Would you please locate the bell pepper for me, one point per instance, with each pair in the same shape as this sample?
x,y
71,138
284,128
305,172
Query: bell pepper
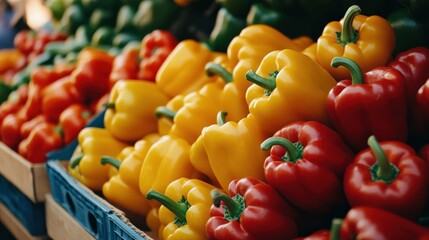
x,y
114,168
369,41
9,58
280,82
130,110
124,19
72,120
166,161
43,138
165,114
14,102
388,175
230,145
423,98
155,48
122,189
227,26
293,165
91,76
414,66
246,50
373,101
185,209
10,129
416,7
58,96
237,8
125,66
410,31
85,165
183,70
251,210
155,14
72,18
365,222
200,160
29,125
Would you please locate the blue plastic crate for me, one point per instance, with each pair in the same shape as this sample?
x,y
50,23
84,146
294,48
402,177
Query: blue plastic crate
x,y
120,230
79,202
31,215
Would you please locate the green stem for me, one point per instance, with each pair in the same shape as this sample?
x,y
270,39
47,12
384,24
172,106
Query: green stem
x,y
212,69
348,33
335,229
110,160
162,111
221,117
293,150
384,171
233,206
76,160
179,209
352,66
268,83
109,105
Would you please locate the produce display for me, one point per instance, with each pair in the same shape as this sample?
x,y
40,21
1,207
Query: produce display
x,y
227,119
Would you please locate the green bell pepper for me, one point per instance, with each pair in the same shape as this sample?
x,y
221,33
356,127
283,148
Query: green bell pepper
x,y
238,8
124,19
73,17
5,90
285,6
56,7
102,17
227,27
103,36
122,39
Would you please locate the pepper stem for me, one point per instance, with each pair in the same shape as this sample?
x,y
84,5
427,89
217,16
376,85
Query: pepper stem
x,y
221,118
233,206
268,83
76,160
108,105
384,171
179,209
212,69
294,150
86,114
162,111
335,229
352,66
348,33
110,160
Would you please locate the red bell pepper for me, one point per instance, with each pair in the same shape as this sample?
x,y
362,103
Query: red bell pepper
x,y
322,234
59,95
253,210
369,104
302,154
388,175
92,74
414,66
44,138
373,223
72,120
29,125
125,66
155,48
423,100
11,129
15,101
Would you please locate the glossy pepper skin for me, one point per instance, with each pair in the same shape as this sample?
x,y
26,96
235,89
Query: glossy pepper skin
x,y
183,70
125,66
72,120
251,210
131,107
85,166
369,41
365,222
423,98
280,82
388,175
155,48
185,209
233,149
302,152
92,73
414,66
44,137
165,114
166,161
123,189
373,101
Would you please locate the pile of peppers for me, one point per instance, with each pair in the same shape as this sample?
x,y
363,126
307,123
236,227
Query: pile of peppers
x,y
260,128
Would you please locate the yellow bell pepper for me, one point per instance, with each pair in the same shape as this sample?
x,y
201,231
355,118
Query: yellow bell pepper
x,y
130,109
113,171
85,166
183,70
233,149
152,219
369,41
288,86
166,161
122,190
185,209
311,51
246,50
200,160
165,114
